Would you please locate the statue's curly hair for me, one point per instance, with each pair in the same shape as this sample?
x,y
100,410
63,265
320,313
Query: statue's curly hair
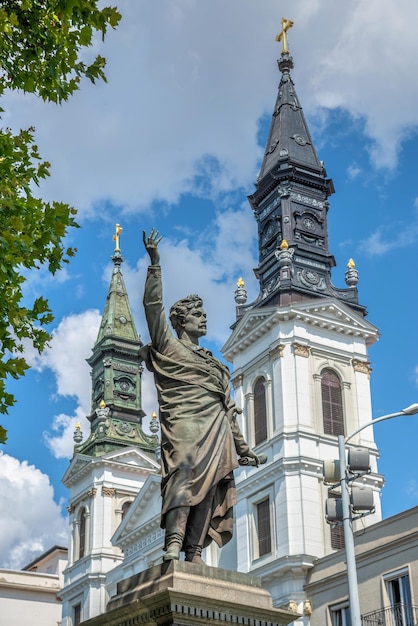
x,y
181,309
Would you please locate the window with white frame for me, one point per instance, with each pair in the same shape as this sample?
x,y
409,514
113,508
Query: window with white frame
x,y
398,590
82,519
262,523
332,403
340,614
125,507
76,615
260,411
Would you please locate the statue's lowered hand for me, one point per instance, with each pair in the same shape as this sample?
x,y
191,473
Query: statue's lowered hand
x,y
255,460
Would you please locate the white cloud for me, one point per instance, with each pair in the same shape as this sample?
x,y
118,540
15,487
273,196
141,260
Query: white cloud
x,y
361,72
30,521
353,171
60,442
66,358
189,80
389,238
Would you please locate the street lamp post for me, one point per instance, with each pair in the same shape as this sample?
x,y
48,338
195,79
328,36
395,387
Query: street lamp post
x,y
347,519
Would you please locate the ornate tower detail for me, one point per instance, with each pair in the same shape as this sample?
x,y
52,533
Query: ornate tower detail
x,y
291,204
116,413
110,467
300,354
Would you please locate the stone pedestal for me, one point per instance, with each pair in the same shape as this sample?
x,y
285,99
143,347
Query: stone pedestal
x,y
177,593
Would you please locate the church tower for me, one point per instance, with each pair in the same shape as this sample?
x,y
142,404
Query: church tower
x,y
108,469
299,355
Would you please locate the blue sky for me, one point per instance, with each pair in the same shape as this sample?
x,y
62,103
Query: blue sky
x,y
174,141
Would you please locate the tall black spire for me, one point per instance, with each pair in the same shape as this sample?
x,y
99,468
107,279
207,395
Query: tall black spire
x,y
291,204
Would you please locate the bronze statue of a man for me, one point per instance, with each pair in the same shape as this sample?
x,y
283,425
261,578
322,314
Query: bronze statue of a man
x,y
200,437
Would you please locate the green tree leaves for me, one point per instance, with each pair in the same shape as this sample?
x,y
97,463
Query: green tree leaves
x,y
42,41
42,51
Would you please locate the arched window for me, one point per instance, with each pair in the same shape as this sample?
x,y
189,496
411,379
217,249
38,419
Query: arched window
x,y
82,532
125,507
260,413
332,403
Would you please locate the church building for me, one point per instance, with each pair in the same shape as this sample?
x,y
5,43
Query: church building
x,y
300,371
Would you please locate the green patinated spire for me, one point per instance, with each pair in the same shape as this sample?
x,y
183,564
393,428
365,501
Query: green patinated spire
x,y
116,409
117,320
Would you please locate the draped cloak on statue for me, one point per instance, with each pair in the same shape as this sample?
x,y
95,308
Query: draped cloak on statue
x,y
200,437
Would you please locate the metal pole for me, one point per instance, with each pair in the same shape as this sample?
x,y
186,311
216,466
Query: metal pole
x,y
350,554
348,538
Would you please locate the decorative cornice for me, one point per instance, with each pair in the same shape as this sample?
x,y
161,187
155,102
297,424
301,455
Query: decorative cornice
x,y
108,492
327,315
276,352
237,381
301,350
362,366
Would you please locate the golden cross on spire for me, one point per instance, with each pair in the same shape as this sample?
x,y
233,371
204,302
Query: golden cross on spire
x,y
118,230
286,24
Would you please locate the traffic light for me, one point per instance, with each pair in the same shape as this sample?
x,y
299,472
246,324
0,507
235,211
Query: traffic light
x,y
331,471
334,510
361,497
358,461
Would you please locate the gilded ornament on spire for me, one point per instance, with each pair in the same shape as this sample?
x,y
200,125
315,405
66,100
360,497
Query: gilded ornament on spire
x,y
240,292
351,275
118,230
284,245
77,435
286,24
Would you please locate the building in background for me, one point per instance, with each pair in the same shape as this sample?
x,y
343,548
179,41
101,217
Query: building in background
x,y
31,595
387,571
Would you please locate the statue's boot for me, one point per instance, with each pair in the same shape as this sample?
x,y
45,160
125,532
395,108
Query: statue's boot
x,y
175,528
194,554
197,528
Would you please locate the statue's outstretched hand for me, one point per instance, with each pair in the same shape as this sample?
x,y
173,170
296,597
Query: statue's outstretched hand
x,y
151,245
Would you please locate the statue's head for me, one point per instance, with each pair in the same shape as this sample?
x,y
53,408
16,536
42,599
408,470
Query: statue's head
x,y
181,309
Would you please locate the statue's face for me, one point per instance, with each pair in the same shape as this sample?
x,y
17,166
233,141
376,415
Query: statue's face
x,y
195,323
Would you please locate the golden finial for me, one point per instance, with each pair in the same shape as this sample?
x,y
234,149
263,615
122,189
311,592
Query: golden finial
x,y
78,426
240,282
154,415
286,24
351,264
284,245
102,404
118,230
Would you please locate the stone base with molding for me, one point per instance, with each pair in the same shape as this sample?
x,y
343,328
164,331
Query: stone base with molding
x,y
177,593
